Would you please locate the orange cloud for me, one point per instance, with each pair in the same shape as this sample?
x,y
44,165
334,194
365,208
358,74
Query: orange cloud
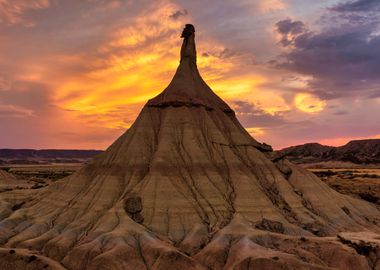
x,y
137,62
256,131
14,111
87,77
134,65
12,11
308,103
271,5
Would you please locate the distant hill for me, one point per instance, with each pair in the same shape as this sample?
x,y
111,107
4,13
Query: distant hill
x,y
48,156
357,152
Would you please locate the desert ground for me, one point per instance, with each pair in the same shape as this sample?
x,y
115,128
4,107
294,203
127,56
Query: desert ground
x,y
29,176
361,182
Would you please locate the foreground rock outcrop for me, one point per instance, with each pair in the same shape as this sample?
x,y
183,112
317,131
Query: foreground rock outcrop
x,y
7,181
186,187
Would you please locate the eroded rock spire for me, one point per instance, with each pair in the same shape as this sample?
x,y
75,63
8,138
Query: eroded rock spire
x,y
187,86
188,50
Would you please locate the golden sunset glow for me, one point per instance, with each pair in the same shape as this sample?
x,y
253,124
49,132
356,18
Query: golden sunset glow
x,y
308,103
76,74
142,70
343,140
139,72
270,5
255,131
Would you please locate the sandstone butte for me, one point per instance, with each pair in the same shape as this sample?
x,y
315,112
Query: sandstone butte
x,y
186,187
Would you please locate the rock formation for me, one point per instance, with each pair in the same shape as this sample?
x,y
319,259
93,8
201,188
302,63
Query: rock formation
x,y
46,156
5,175
186,187
363,152
7,180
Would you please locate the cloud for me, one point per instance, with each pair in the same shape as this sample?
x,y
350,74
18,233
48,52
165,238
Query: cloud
x,y
252,116
14,11
111,88
4,84
270,5
223,53
26,96
289,29
341,60
90,82
308,103
179,13
357,6
14,111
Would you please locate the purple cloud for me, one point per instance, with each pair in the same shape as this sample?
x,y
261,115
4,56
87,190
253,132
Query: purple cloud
x,y
251,115
179,13
342,60
288,27
358,6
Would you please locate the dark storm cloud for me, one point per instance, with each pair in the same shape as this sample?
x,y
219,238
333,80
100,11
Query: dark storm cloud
x,y
342,60
358,6
288,27
179,13
360,12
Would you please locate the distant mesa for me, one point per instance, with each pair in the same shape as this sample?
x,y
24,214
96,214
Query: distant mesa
x,y
187,187
359,152
46,156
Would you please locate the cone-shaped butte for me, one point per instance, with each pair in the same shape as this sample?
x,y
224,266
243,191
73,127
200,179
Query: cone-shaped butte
x,y
186,187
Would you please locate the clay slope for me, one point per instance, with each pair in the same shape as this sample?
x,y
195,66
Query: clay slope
x,y
6,179
186,187
357,152
5,175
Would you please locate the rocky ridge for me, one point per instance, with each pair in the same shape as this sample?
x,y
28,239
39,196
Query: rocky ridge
x,y
356,152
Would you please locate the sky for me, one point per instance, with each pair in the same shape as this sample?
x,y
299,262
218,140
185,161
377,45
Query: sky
x,y
74,74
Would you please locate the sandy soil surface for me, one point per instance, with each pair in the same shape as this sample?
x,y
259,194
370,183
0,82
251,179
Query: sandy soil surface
x,y
361,183
31,176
